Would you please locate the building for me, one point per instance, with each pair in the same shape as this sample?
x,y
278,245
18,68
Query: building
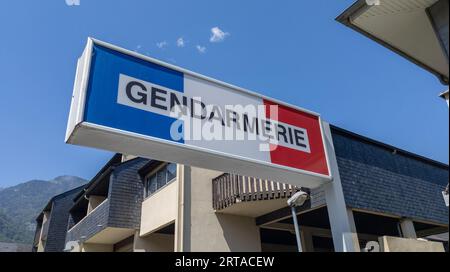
x,y
376,196
417,30
51,224
391,196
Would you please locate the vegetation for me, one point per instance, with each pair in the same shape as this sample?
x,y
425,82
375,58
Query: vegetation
x,y
21,204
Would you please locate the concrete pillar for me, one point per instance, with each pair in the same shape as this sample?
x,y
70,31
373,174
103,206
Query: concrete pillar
x,y
408,230
200,228
343,229
182,222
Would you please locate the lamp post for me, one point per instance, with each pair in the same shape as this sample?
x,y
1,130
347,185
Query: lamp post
x,y
297,200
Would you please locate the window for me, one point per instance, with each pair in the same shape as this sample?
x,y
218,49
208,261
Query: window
x,y
160,178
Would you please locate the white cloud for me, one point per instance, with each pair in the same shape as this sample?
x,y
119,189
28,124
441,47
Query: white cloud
x,y
161,45
73,2
217,35
181,42
201,49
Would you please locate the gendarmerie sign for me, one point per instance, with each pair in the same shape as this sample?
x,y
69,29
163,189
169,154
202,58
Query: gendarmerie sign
x,y
129,103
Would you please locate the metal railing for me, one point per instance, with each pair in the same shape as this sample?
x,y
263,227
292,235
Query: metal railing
x,y
229,189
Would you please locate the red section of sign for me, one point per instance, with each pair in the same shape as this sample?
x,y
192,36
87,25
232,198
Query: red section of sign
x,y
316,160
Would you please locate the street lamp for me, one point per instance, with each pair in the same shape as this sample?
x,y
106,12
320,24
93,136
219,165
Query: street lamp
x,y
297,200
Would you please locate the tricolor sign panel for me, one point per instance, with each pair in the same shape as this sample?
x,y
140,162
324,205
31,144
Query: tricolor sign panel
x,y
129,103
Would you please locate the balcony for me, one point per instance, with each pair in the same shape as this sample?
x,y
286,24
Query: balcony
x,y
249,196
108,210
90,225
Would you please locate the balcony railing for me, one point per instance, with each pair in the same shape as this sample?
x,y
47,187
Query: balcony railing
x,y
229,189
91,224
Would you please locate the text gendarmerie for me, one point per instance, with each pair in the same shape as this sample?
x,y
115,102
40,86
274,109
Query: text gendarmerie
x,y
169,101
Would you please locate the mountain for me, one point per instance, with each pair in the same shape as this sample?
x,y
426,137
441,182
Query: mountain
x,y
21,204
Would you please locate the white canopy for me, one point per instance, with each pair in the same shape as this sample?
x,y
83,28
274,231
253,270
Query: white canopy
x,y
406,27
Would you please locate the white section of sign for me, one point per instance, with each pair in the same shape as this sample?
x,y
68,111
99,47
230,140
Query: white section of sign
x,y
209,92
139,93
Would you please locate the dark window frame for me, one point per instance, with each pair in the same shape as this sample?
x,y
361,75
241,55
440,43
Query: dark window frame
x,y
161,171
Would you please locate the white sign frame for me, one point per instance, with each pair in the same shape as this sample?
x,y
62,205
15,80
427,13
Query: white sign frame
x,y
88,134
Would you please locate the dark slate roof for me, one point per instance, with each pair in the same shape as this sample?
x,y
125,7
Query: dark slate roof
x,y
56,197
148,167
382,178
59,218
360,138
115,160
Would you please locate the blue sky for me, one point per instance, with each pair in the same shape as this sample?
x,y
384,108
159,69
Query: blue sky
x,y
293,51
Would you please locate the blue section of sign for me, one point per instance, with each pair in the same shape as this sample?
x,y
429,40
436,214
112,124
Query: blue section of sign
x,y
101,99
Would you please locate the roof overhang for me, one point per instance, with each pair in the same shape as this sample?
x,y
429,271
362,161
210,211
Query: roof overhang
x,y
107,168
403,26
